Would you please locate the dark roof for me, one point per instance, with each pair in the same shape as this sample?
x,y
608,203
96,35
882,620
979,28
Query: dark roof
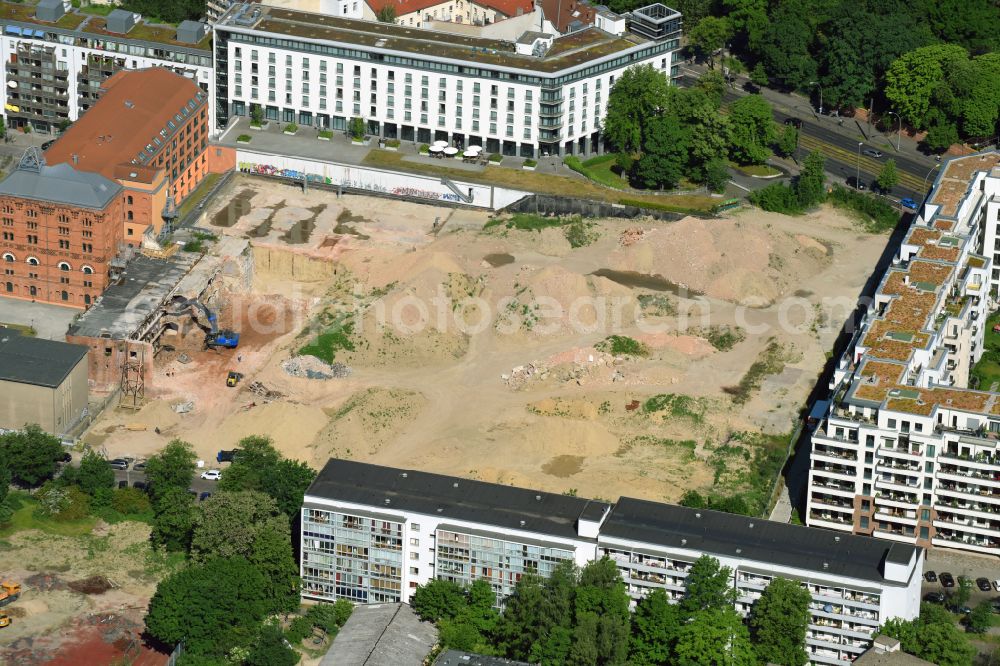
x,y
28,360
450,497
61,184
717,533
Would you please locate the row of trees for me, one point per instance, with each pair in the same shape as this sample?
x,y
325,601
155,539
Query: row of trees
x,y
582,617
238,544
854,51
664,133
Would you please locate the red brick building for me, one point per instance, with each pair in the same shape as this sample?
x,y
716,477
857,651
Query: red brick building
x,y
149,132
59,231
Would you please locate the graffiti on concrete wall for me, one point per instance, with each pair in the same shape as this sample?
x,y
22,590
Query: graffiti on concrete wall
x,y
281,172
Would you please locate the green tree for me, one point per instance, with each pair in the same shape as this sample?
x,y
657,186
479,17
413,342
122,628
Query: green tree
x,y
438,599
654,629
693,500
271,650
712,637
173,519
810,187
708,586
639,95
785,48
912,78
752,125
260,467
888,177
708,36
30,454
788,140
748,20
94,476
357,128
932,636
210,606
665,153
978,620
601,613
779,620
130,501
716,175
6,511
256,115
171,469
249,524
981,105
962,592
3,128
387,14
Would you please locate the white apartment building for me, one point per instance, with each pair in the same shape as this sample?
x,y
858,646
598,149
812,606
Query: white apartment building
x,y
905,450
538,96
55,58
373,534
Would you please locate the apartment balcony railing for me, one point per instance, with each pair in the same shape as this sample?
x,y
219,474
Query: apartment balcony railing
x,y
831,517
846,486
829,500
834,453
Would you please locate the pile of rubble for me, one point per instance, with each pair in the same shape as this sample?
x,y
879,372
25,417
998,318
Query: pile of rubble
x,y
259,389
631,235
311,367
522,374
577,368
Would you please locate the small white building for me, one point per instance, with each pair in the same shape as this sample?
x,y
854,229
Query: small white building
x,y
373,534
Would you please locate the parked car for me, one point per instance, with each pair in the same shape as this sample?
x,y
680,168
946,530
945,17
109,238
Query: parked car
x,y
48,144
226,456
983,584
204,496
139,466
947,580
964,610
211,475
935,597
119,463
122,484
907,202
139,485
871,152
996,586
856,184
930,577
794,122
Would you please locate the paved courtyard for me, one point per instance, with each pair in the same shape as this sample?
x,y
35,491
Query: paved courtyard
x,y
50,321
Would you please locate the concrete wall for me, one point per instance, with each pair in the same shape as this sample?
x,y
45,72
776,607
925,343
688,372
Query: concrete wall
x,y
54,409
546,204
374,181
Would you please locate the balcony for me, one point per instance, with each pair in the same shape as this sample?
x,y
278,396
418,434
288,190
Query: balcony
x,y
970,542
967,490
830,468
890,496
947,521
891,513
831,517
830,452
832,484
829,500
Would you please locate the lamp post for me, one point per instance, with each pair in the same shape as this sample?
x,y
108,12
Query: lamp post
x,y
924,192
857,177
820,86
899,132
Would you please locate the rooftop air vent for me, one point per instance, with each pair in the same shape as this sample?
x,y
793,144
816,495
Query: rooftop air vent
x,y
538,497
403,475
698,515
522,523
826,565
455,485
387,500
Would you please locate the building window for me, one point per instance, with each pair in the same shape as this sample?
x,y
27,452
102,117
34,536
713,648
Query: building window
x,y
64,295
128,200
32,261
63,266
87,270
7,256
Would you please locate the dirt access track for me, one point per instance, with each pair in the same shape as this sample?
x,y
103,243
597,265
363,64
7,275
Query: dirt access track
x,y
482,352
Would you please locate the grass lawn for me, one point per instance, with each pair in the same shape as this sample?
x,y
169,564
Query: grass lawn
x,y
24,330
987,370
760,170
198,195
543,183
24,519
98,10
600,169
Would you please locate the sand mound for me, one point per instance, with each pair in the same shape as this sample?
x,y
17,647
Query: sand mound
x,y
291,426
366,421
574,409
689,345
731,259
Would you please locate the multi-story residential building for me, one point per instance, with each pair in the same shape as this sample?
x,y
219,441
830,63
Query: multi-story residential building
x,y
905,449
148,131
373,534
413,13
60,230
55,58
539,96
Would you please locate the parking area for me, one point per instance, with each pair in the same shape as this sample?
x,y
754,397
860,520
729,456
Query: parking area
x,y
963,564
49,321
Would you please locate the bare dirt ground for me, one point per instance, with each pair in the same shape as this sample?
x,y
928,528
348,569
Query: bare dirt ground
x,y
490,362
83,598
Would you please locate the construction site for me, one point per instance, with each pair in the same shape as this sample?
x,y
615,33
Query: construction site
x,y
603,357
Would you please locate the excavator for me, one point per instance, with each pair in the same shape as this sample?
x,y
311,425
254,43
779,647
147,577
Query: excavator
x,y
225,338
9,592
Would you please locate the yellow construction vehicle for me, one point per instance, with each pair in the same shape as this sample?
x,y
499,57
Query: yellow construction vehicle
x,y
4,620
9,591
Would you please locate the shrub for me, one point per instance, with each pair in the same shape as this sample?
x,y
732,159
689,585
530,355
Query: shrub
x,y
777,198
579,234
496,158
876,215
357,128
69,503
130,501
194,246
425,149
243,138
621,345
392,143
530,163
325,134
298,630
291,127
256,115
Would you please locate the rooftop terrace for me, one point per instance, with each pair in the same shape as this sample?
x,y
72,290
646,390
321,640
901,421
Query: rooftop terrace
x,y
919,304
82,24
575,49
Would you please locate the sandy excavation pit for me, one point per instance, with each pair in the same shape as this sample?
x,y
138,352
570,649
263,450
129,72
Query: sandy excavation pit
x,y
458,365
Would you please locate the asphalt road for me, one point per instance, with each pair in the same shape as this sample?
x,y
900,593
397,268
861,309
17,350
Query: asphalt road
x,y
840,146
198,484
